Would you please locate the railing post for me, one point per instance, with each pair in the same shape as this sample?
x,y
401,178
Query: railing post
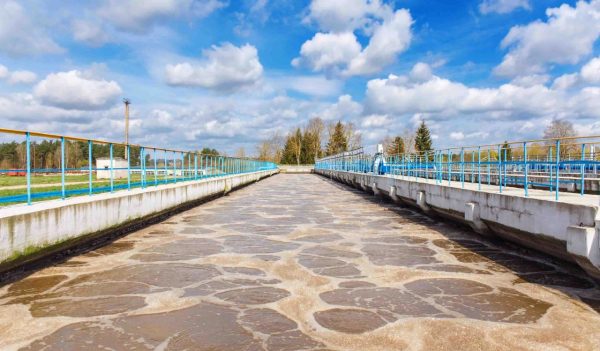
x,y
195,166
479,167
500,167
28,166
462,167
143,166
90,166
174,168
583,169
166,168
62,167
155,168
110,147
557,169
128,151
526,185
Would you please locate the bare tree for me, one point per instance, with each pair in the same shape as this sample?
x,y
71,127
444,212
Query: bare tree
x,y
409,140
271,149
315,128
561,128
353,136
241,152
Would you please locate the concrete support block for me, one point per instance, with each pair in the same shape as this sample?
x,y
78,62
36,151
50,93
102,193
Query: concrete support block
x,y
376,191
363,185
473,218
393,194
583,243
422,202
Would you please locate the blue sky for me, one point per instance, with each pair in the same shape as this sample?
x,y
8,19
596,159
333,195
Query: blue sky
x,y
226,74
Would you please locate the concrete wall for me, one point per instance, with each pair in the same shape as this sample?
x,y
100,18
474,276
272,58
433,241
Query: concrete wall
x,y
568,230
26,232
296,169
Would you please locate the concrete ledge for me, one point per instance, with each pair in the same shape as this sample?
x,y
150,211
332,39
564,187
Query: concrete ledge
x,y
30,232
569,230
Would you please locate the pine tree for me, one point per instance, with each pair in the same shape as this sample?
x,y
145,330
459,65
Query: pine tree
x,y
396,146
337,140
423,138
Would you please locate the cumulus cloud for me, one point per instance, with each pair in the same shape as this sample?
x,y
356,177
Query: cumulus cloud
x,y
22,77
20,34
345,109
336,50
139,16
503,6
591,71
75,90
345,15
225,67
566,37
89,32
17,77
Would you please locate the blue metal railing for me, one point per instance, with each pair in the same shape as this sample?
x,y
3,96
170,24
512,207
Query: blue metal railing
x,y
567,164
99,170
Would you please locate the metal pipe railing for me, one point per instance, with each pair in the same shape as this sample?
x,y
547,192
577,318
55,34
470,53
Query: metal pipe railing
x,y
566,164
62,171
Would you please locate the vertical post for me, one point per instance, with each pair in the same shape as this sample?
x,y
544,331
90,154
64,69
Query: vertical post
x,y
583,169
462,167
549,164
110,148
143,166
489,166
449,167
557,169
62,167
479,167
166,167
127,155
526,185
90,166
195,166
174,168
155,168
500,167
28,166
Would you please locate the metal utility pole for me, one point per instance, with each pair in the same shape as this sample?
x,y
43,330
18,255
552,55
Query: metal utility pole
x,y
127,102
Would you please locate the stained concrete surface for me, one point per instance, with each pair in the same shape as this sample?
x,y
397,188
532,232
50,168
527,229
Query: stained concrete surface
x,y
298,262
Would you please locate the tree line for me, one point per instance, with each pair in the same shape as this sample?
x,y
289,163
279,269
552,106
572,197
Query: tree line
x,y
305,144
46,154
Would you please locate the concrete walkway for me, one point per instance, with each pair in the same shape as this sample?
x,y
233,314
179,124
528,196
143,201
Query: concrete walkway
x,y
298,262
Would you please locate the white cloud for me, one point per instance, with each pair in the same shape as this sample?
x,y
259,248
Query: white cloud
x,y
225,67
403,95
75,90
89,32
421,72
344,109
3,72
139,16
565,38
503,6
328,51
590,72
345,15
457,135
20,34
375,121
337,50
22,77
312,85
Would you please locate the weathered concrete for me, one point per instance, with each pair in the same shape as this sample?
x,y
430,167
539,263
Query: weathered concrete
x,y
26,232
299,262
296,169
568,229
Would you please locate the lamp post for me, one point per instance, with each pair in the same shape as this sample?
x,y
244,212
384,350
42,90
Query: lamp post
x,y
127,102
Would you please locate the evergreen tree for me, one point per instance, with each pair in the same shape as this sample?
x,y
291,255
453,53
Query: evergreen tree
x,y
423,138
396,146
338,141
